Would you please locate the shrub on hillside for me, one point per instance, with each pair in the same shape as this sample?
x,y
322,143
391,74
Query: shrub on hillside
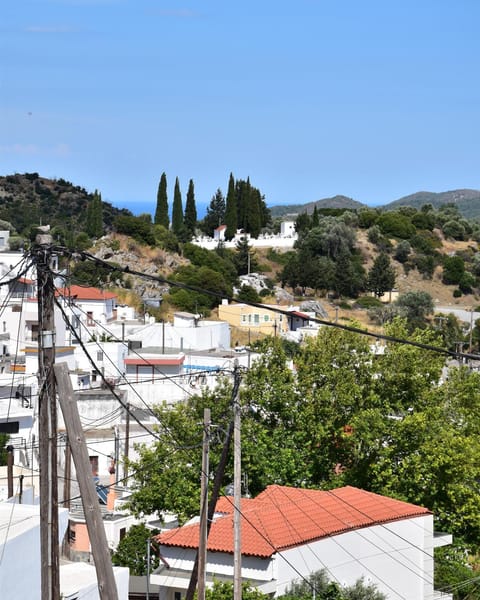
x,y
368,302
397,225
453,270
425,241
135,227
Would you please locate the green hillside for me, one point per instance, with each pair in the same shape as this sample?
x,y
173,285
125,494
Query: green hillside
x,y
467,201
29,199
338,202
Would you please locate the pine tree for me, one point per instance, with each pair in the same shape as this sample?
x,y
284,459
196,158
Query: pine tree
x,y
177,210
161,212
215,215
231,210
190,218
381,277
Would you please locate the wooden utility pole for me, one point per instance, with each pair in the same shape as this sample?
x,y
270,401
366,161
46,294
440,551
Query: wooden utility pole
x,y
202,542
47,421
127,444
9,471
67,474
237,493
107,587
217,484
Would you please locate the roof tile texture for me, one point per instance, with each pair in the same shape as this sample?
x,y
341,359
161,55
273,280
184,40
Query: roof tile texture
x,y
283,517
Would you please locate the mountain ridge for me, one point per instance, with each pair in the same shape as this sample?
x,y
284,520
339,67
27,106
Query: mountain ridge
x,y
467,200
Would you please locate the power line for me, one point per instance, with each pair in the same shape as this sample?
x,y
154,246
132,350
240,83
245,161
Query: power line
x,y
357,330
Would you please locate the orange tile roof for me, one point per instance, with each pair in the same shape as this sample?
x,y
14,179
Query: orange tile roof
x,y
283,517
85,293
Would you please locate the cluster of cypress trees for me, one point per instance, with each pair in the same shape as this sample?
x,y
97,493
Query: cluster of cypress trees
x,y
243,208
183,223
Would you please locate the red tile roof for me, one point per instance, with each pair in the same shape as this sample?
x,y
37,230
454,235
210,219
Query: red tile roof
x,y
283,517
85,293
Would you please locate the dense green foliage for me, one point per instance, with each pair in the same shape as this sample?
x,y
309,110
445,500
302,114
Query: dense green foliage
x,y
382,424
137,228
222,262
132,551
28,200
319,586
201,278
223,590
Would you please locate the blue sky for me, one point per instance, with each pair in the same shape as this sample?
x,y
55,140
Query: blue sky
x,y
309,98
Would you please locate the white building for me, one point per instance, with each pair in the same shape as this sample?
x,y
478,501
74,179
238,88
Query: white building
x,y
289,533
20,565
188,332
287,229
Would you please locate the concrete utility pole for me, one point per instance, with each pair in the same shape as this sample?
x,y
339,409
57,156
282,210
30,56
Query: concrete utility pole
x,y
107,587
47,420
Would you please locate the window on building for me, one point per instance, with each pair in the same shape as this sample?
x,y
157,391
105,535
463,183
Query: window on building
x,y
99,356
90,318
256,319
177,595
4,326
244,318
266,318
94,464
123,533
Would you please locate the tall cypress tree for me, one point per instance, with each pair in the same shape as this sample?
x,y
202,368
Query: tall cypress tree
x,y
242,193
94,219
190,218
177,210
254,215
231,210
161,212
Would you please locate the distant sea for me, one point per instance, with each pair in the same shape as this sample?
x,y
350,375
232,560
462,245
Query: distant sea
x,y
141,207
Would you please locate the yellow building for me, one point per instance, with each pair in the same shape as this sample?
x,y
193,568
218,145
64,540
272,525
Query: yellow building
x,y
261,320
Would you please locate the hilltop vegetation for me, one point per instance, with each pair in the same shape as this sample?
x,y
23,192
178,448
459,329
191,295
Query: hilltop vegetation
x,y
341,254
28,200
467,202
